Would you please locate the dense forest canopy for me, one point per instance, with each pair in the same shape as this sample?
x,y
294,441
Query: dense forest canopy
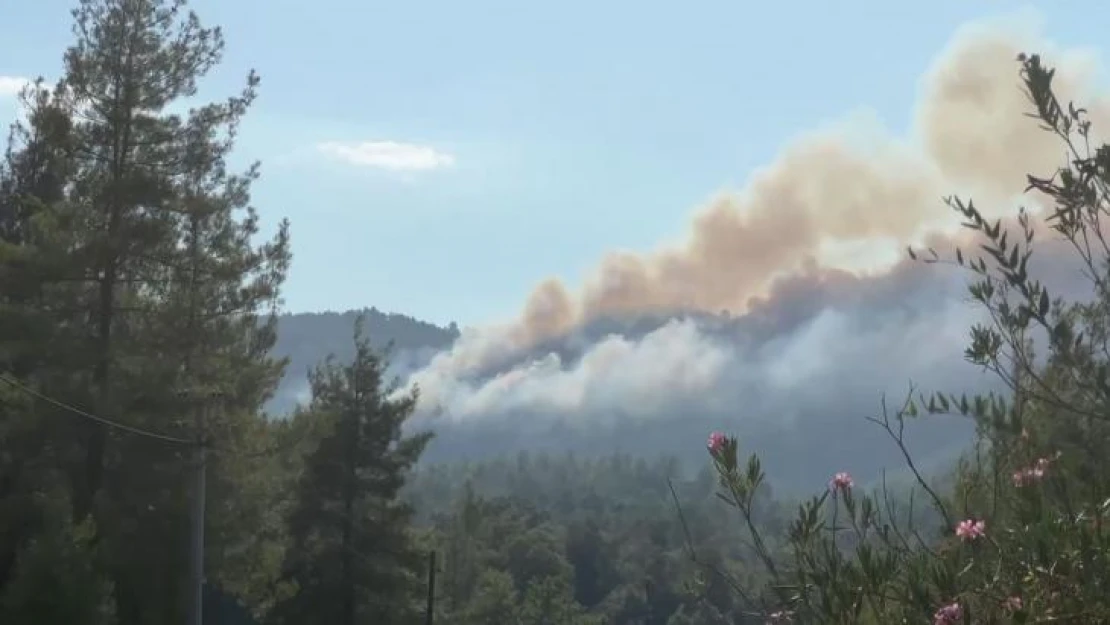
x,y
144,479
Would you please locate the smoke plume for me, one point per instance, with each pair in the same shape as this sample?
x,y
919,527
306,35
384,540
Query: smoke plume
x,y
812,338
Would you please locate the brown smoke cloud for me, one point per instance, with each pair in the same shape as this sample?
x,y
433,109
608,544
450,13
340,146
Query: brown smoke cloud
x,y
765,250
970,136
816,345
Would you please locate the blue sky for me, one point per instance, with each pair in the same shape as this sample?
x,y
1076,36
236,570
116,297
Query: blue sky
x,y
537,136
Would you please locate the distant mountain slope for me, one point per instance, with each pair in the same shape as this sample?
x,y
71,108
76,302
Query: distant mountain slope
x,y
804,433
308,338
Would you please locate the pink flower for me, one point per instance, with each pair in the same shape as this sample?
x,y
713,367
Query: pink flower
x,y
1013,603
1026,477
1035,473
841,482
716,443
970,530
949,614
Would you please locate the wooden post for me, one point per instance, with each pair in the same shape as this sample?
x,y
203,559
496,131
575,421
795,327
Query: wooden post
x,y
196,546
429,616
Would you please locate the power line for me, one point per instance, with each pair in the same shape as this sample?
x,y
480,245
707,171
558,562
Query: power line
x,y
101,420
270,452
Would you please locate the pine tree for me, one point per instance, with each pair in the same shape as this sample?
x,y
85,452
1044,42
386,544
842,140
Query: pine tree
x,y
130,60
211,328
352,556
33,174
128,263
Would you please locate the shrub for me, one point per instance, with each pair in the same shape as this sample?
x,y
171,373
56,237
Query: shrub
x,y
1024,537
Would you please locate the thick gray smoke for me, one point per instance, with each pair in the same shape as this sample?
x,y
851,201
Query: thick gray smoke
x,y
811,345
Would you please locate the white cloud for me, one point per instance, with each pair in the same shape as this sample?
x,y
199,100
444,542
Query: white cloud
x,y
10,85
388,155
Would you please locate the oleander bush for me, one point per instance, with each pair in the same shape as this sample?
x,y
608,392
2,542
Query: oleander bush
x,y
1024,536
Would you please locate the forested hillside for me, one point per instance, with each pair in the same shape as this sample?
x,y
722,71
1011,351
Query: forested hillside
x,y
144,482
307,338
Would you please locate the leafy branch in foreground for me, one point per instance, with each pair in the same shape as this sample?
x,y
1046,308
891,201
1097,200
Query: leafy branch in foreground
x,y
1023,538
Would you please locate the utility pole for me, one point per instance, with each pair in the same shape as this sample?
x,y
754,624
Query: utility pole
x,y
430,614
196,539
202,406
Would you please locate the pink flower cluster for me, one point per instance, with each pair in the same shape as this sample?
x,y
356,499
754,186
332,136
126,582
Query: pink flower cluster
x,y
969,529
1033,474
841,482
716,443
949,614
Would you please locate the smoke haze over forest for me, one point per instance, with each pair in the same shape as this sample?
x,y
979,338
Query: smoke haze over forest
x,y
806,332
788,307
723,358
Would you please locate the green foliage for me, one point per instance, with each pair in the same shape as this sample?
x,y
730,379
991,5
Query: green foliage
x,y
548,601
133,286
1023,537
698,614
351,556
495,600
58,576
593,536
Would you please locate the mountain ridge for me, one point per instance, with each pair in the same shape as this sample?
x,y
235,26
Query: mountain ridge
x,y
307,338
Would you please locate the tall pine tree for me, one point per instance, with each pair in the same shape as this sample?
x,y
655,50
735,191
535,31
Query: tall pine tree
x,y
351,557
48,565
129,248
